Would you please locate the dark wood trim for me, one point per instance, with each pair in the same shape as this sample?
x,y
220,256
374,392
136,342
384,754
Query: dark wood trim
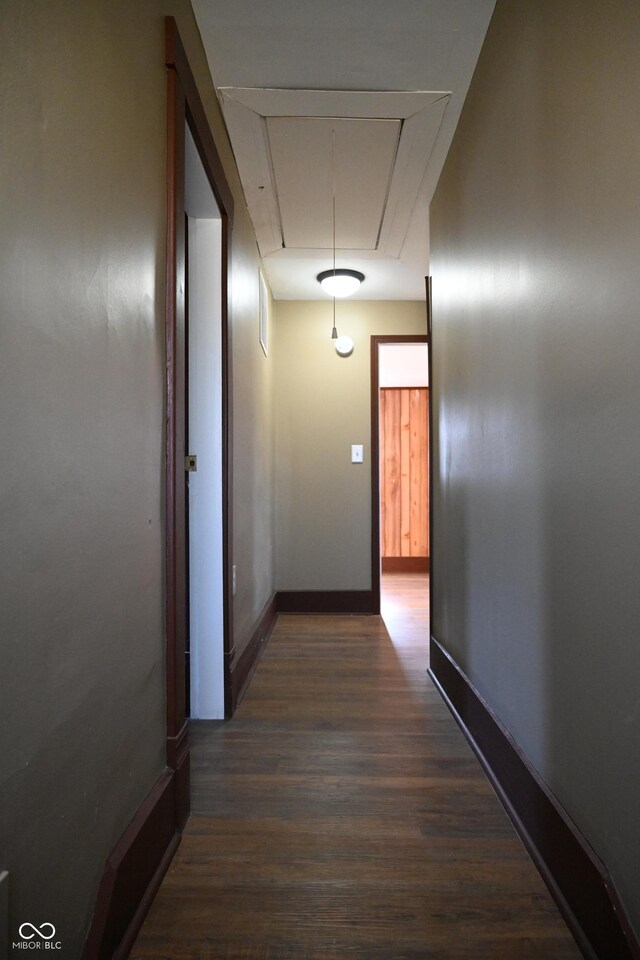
x,y
176,60
241,670
174,308
133,873
432,450
577,879
328,601
194,113
401,338
227,457
375,453
375,474
178,760
415,387
185,106
187,447
405,564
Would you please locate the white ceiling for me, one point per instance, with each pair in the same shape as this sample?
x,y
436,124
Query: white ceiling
x,y
386,84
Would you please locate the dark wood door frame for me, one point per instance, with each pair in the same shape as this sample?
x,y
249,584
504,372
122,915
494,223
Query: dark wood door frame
x,y
185,106
375,452
427,281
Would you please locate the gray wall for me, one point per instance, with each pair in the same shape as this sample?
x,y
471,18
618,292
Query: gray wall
x,y
82,193
536,349
322,406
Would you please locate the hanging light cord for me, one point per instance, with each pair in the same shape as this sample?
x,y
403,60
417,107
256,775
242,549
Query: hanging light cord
x,y
333,167
334,332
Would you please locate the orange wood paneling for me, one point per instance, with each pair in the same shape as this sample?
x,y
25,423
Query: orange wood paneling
x,y
404,472
391,469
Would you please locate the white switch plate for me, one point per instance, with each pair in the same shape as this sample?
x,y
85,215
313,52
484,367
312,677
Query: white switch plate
x,y
357,453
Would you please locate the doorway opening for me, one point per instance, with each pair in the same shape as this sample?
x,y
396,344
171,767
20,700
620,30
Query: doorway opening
x,y
400,480
203,239
204,673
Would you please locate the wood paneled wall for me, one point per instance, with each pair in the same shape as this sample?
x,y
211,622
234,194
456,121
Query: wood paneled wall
x,y
404,471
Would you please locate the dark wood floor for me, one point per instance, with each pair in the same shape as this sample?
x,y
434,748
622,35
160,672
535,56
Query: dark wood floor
x,y
342,815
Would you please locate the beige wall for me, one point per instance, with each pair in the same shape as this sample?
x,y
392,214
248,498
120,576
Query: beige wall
x,y
535,233
322,406
253,484
83,114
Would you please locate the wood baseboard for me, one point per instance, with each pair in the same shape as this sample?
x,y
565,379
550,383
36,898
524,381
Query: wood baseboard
x,y
133,872
405,564
179,761
327,601
577,879
241,668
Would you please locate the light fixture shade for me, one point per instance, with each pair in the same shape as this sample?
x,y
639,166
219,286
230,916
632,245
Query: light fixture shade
x,y
339,282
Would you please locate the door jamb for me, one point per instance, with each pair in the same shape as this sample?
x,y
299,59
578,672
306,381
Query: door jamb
x,y
375,451
185,106
431,445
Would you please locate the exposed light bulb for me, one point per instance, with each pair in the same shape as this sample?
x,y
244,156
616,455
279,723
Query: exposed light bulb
x,y
344,346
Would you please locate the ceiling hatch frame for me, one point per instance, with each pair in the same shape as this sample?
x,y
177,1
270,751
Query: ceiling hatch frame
x,y
246,111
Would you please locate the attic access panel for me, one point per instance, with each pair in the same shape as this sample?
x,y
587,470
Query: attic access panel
x,y
301,153
250,112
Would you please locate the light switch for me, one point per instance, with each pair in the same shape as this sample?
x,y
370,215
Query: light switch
x,y
357,453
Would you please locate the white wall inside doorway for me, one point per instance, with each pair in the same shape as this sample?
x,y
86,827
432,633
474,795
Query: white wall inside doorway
x,y
206,618
403,365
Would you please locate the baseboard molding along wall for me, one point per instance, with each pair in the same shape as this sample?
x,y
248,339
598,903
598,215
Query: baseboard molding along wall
x,y
133,873
405,564
578,881
241,668
327,601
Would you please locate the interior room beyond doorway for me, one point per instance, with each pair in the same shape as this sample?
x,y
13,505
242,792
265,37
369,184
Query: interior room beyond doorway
x,y
403,403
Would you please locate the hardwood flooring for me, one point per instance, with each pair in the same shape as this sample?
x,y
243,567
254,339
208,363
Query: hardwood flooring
x,y
341,815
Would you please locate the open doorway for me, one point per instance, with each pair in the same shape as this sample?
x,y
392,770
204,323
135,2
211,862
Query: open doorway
x,y
400,480
204,673
188,133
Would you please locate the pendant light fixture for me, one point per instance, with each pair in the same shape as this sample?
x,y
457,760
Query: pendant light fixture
x,y
338,282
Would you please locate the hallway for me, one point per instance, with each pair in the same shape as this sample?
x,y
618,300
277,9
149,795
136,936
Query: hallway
x,y
342,814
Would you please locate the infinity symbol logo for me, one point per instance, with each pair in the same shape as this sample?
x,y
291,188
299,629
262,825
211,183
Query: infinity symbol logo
x,y
40,932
